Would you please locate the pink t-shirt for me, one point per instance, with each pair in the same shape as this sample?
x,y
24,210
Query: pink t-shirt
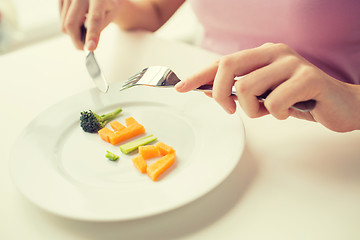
x,y
325,32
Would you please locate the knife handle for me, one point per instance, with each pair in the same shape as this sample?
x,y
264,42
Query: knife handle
x,y
83,33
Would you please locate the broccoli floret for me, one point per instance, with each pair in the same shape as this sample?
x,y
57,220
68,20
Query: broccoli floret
x,y
92,122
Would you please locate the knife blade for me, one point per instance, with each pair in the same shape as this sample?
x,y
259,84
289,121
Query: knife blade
x,y
93,67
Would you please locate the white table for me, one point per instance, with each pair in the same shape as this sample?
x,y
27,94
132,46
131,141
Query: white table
x,y
295,180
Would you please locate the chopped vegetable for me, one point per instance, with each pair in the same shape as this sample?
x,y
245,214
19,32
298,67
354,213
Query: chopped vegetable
x,y
127,133
132,129
133,145
116,126
111,156
130,121
151,151
92,122
105,134
140,163
164,149
160,166
148,151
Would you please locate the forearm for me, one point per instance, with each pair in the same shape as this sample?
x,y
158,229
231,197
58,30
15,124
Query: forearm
x,y
356,90
147,15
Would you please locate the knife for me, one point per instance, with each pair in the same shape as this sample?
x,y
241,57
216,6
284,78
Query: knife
x,y
93,67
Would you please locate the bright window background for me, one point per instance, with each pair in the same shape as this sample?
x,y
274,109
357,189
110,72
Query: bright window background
x,y
37,14
24,22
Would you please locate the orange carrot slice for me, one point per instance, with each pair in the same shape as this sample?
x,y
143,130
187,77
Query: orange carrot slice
x,y
148,151
164,149
127,133
160,166
140,163
116,126
130,121
105,134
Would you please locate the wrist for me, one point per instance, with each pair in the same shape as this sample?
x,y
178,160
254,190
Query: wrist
x,y
357,105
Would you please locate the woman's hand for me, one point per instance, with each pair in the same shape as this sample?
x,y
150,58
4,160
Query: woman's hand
x,y
97,13
290,77
147,15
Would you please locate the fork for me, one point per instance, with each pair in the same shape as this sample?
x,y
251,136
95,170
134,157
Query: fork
x,y
159,76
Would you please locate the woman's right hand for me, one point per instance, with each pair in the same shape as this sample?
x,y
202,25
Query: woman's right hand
x,y
290,77
97,14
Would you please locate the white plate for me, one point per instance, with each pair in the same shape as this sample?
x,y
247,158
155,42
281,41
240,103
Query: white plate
x,y
63,170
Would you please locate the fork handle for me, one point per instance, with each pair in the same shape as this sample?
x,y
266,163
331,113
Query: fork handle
x,y
303,106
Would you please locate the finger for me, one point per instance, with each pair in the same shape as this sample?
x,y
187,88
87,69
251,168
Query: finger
x,y
61,4
206,76
247,61
258,82
74,20
238,64
223,83
209,94
64,8
303,115
97,20
296,89
250,60
250,104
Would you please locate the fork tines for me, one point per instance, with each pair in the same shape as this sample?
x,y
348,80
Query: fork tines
x,y
133,79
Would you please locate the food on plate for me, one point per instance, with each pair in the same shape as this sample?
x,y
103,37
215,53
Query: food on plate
x,y
132,129
92,122
111,156
148,151
135,144
160,166
164,149
116,126
105,134
130,121
139,163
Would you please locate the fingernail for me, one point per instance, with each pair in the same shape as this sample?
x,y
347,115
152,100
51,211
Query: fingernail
x,y
179,84
90,45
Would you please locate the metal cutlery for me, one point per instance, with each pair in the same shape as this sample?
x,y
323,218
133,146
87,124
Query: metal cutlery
x,y
93,67
159,76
